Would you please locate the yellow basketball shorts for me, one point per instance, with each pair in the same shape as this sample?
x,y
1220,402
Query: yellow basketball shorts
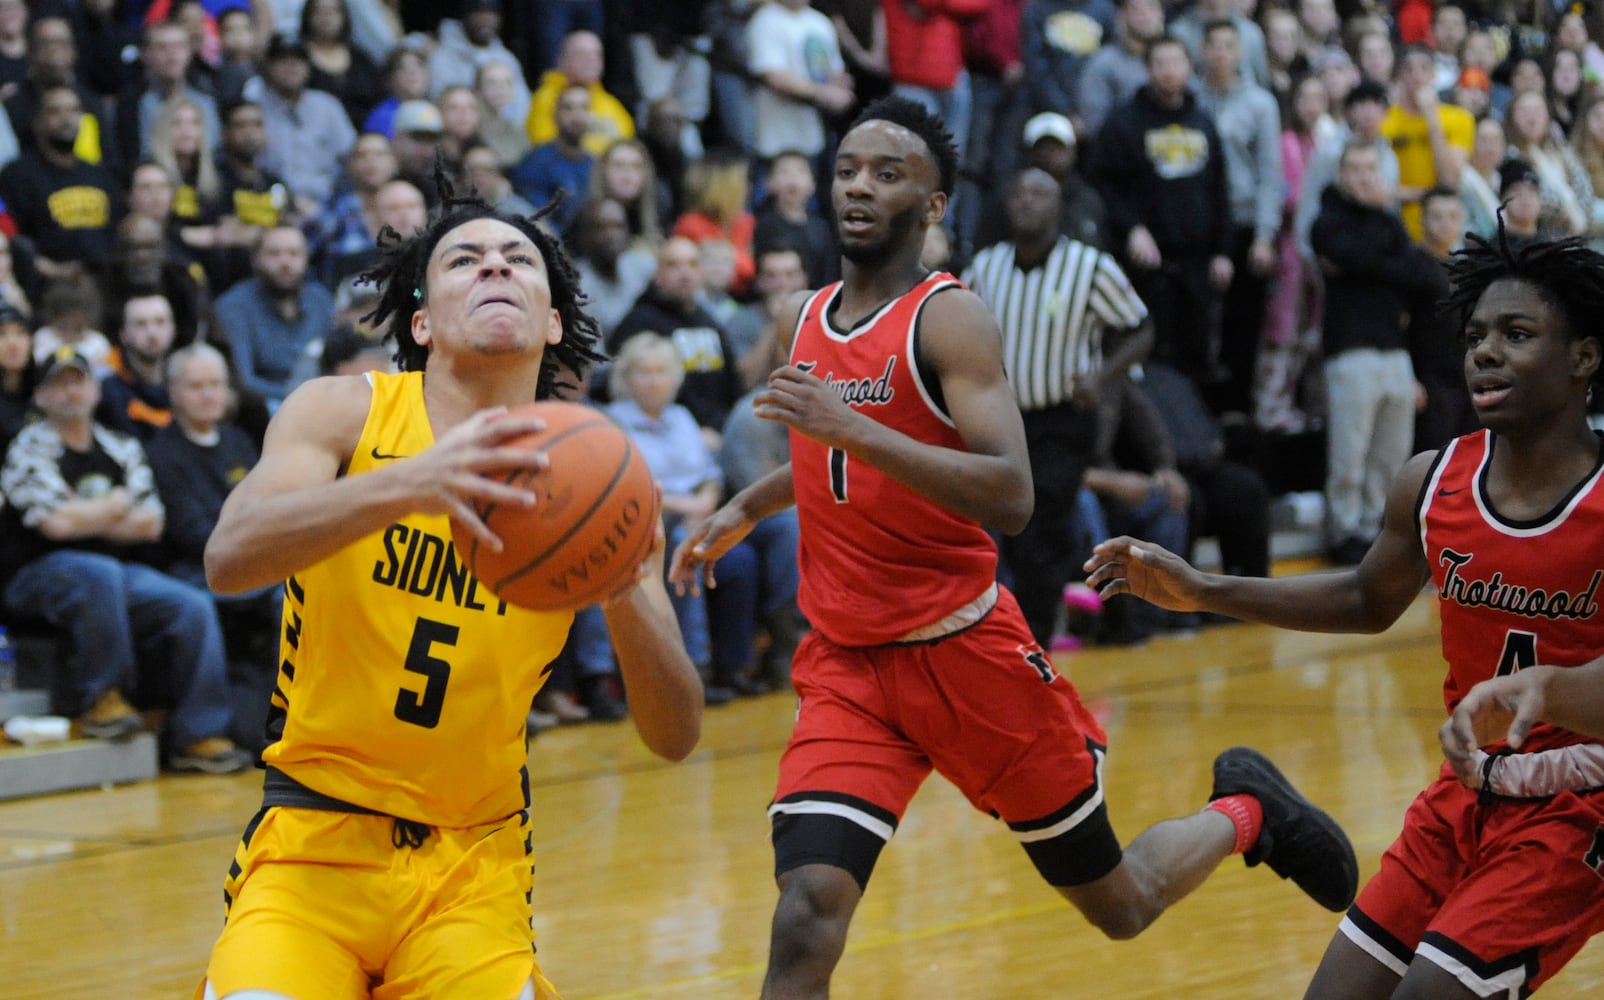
x,y
323,906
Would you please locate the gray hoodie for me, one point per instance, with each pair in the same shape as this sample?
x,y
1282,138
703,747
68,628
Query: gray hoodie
x,y
1249,123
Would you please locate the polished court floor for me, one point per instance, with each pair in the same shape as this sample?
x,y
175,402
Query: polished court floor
x,y
654,879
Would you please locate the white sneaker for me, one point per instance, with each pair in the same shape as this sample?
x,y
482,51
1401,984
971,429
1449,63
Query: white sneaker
x,y
32,730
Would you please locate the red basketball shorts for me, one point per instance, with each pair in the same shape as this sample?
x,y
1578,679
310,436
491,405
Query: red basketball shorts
x,y
1499,895
982,706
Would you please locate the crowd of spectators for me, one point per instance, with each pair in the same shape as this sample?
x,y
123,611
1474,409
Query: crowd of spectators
x,y
192,190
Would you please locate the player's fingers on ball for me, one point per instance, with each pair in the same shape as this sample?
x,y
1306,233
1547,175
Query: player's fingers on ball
x,y
466,516
511,458
497,491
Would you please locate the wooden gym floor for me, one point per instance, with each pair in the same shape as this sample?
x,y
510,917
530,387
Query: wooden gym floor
x,y
654,881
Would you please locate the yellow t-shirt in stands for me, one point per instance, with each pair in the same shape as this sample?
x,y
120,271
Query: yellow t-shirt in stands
x,y
1411,141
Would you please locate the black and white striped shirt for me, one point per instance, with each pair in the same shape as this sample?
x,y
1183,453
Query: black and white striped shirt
x,y
1053,316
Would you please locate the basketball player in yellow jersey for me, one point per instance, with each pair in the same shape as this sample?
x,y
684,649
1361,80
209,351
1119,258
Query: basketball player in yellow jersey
x,y
391,855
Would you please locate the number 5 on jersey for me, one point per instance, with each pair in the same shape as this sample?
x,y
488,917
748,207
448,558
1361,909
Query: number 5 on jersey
x,y
424,709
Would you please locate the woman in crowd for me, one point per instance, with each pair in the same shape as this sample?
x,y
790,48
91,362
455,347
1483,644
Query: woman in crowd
x,y
1571,33
1294,304
459,121
626,175
1478,182
1527,77
1588,142
339,67
716,193
1376,57
720,634
503,109
179,142
1565,89
1566,192
406,78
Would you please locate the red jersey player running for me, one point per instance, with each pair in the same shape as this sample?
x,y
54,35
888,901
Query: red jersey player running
x,y
1498,876
905,440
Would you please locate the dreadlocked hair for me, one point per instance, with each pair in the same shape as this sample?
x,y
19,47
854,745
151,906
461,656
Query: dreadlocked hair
x,y
402,279
918,119
1567,274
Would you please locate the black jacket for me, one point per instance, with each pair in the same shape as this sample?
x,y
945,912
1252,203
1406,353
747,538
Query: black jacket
x,y
1375,275
712,383
1164,168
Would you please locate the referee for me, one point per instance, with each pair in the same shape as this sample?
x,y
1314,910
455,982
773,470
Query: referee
x,y
1054,298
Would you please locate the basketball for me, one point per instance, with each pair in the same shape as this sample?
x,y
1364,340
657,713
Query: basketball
x,y
593,522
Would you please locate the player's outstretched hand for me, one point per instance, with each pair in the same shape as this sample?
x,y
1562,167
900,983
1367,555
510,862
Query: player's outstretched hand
x,y
802,400
1501,708
1126,565
692,567
457,476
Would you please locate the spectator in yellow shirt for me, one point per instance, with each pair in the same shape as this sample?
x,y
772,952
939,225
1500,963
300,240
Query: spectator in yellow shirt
x,y
1432,140
580,61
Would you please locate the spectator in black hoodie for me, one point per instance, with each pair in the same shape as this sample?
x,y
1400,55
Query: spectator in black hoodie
x,y
1375,277
669,306
1161,169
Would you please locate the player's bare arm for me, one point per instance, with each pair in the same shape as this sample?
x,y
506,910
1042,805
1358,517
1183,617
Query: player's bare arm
x,y
665,691
1366,598
989,480
692,565
295,507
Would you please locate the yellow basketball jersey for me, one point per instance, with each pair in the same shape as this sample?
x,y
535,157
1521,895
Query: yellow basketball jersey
x,y
404,684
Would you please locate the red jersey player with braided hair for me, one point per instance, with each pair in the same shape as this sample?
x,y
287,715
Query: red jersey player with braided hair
x,y
905,443
1498,876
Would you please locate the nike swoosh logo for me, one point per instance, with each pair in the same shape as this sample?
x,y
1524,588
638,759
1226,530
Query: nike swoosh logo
x,y
382,457
1448,493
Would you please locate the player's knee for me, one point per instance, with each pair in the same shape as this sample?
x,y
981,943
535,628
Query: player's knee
x,y
810,920
1120,924
1120,916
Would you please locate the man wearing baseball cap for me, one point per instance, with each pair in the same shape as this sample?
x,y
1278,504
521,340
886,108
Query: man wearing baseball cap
x,y
1050,145
417,128
81,511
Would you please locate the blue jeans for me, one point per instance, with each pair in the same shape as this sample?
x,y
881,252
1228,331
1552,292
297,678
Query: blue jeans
x,y
736,570
775,538
133,628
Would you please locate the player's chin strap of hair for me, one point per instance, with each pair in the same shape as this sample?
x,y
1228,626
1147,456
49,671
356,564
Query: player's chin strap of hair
x,y
279,789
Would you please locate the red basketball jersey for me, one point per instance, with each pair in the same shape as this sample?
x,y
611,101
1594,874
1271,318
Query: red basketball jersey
x,y
877,559
1512,594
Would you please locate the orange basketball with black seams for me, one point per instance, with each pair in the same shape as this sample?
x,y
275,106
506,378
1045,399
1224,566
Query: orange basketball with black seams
x,y
592,524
